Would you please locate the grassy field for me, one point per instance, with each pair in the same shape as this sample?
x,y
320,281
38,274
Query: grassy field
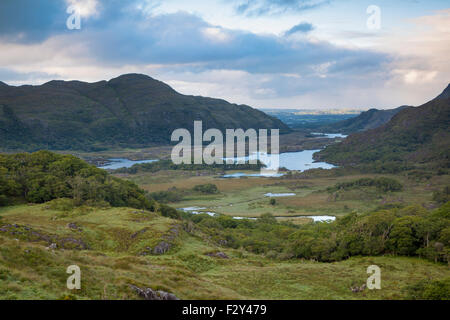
x,y
245,196
115,240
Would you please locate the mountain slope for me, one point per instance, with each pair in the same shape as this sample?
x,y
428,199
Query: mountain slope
x,y
131,110
367,120
414,135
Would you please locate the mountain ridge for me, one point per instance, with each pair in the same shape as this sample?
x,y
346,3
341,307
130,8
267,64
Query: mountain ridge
x,y
367,120
130,110
417,135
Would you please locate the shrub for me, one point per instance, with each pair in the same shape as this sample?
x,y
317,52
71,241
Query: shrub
x,y
62,204
169,212
208,188
430,290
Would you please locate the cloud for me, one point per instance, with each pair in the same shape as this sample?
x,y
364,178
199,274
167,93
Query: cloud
x,y
303,27
15,77
115,33
31,21
198,57
275,7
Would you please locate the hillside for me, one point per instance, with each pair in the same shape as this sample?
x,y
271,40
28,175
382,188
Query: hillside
x,y
43,176
367,120
132,110
418,135
62,212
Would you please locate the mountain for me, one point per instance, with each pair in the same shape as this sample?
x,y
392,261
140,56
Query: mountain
x,y
415,135
133,110
367,120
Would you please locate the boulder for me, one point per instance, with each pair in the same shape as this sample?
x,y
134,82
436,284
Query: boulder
x,y
150,294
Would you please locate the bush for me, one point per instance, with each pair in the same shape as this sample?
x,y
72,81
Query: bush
x,y
62,204
169,212
382,184
171,195
430,290
442,196
206,188
44,176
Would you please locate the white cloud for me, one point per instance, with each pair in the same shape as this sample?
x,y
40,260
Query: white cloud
x,y
216,34
85,8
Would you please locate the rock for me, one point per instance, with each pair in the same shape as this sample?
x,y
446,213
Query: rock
x,y
134,235
149,294
218,255
53,246
72,243
358,289
161,248
73,226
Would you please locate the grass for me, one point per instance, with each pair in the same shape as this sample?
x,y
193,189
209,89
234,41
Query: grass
x,y
245,196
28,270
117,238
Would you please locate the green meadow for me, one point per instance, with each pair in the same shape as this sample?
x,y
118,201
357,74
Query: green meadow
x,y
29,270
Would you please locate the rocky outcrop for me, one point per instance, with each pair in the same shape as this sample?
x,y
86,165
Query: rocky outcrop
x,y
166,243
26,233
358,289
220,255
150,294
73,226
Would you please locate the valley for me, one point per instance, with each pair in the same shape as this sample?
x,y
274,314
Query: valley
x,y
223,231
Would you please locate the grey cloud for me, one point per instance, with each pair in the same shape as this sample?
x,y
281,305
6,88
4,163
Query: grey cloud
x,y
180,42
303,27
10,76
273,7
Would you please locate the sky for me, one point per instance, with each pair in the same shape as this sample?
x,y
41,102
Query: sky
x,y
300,54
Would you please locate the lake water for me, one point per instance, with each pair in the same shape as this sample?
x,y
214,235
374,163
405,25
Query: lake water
x,y
298,161
123,163
319,218
241,174
330,135
275,195
314,218
195,210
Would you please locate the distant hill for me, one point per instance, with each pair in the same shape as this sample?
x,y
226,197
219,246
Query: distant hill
x,y
415,135
132,110
301,119
367,120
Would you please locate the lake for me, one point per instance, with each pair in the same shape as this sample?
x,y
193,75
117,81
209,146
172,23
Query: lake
x,y
330,135
195,210
122,163
275,195
297,161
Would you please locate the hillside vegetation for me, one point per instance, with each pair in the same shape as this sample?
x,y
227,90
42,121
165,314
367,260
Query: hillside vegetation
x,y
201,257
367,120
44,176
414,137
76,214
132,110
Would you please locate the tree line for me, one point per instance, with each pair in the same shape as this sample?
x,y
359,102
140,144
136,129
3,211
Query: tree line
x,y
43,176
